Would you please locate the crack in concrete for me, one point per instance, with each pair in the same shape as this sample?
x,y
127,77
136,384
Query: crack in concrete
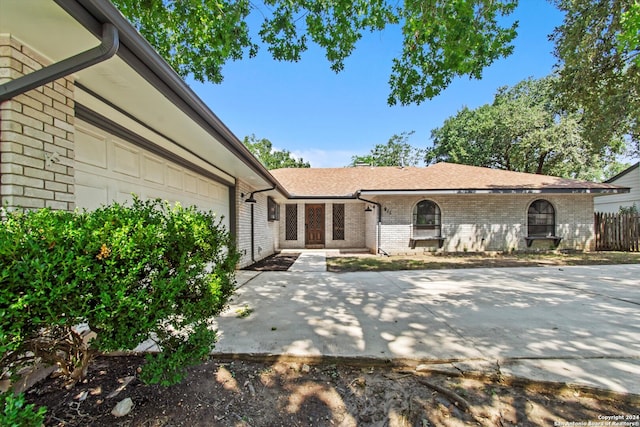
x,y
577,288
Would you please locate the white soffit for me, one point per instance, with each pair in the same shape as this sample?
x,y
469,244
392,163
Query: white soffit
x,y
49,30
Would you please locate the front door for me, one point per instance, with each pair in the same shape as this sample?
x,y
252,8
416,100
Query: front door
x,y
314,225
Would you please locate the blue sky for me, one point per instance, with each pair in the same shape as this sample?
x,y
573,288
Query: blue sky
x,y
326,118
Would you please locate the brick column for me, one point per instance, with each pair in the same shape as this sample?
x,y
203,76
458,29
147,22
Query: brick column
x,y
36,135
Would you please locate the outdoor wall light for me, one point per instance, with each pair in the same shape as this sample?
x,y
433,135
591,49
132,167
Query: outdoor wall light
x,y
368,209
249,199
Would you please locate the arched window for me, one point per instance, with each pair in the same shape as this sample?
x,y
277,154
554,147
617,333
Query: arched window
x,y
541,219
426,216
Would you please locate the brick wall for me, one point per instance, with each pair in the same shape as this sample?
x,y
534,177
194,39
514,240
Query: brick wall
x,y
265,232
355,225
371,229
487,222
298,243
36,135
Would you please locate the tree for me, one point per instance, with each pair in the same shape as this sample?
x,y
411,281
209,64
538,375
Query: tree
x,y
523,130
396,152
442,39
598,48
598,45
271,158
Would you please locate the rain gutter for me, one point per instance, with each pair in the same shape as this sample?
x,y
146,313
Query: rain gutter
x,y
379,224
252,202
107,48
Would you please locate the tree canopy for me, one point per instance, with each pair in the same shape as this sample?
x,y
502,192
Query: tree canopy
x,y
524,130
441,39
396,152
598,48
270,157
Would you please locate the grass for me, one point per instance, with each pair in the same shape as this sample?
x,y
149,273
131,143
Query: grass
x,y
243,312
439,261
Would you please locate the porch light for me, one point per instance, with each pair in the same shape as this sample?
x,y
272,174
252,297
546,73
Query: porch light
x,y
250,199
368,209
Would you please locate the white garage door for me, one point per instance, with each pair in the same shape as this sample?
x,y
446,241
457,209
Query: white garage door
x,y
109,169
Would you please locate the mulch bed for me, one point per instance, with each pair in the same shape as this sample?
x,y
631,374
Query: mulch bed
x,y
277,262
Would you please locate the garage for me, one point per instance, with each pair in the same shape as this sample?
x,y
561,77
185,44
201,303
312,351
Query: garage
x,y
109,168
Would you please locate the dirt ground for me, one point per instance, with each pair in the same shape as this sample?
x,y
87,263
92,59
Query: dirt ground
x,y
273,393
277,262
244,393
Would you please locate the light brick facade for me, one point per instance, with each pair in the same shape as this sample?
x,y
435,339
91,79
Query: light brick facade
x,y
36,135
354,225
469,223
492,222
265,231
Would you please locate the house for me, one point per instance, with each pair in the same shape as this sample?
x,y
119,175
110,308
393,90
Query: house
x,y
91,114
630,178
446,206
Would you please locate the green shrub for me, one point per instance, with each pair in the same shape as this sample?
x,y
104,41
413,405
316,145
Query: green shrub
x,y
629,210
127,272
14,412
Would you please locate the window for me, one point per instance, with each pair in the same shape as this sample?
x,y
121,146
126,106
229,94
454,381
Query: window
x,y
426,216
291,222
338,221
541,219
273,210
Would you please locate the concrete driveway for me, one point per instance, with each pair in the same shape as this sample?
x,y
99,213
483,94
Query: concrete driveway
x,y
572,324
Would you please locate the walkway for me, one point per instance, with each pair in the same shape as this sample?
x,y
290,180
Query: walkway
x,y
310,261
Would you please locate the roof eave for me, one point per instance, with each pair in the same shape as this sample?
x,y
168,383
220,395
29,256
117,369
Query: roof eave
x,y
93,13
598,191
316,197
623,173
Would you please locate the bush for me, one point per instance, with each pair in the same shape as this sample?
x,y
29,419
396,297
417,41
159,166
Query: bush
x,y
128,273
14,412
629,210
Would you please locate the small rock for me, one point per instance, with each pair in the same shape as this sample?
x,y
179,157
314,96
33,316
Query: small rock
x,y
360,382
422,368
306,368
250,387
122,408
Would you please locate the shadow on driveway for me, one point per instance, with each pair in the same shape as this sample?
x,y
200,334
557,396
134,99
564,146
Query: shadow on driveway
x,y
571,324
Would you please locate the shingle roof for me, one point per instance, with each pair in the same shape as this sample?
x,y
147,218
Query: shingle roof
x,y
345,182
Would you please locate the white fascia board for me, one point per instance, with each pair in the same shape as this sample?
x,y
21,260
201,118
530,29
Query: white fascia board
x,y
420,192
505,191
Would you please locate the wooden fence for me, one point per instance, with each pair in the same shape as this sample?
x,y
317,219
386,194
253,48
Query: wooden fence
x,y
617,232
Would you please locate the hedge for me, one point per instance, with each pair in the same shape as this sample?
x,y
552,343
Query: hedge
x,y
128,273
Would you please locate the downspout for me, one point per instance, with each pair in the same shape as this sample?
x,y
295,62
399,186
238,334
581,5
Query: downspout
x,y
378,226
251,200
253,239
107,48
